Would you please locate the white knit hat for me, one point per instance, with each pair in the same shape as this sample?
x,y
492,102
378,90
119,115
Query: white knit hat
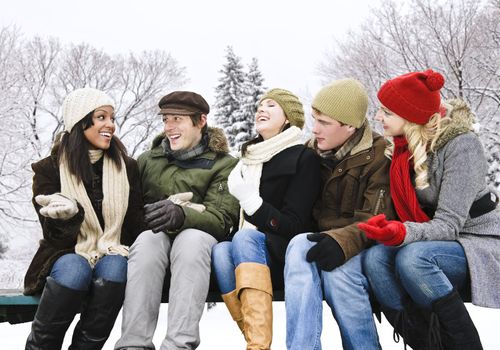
x,y
81,102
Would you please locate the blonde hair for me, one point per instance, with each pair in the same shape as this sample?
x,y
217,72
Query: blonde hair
x,y
421,141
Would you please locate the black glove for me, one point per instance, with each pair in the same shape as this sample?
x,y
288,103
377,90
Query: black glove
x,y
163,215
327,253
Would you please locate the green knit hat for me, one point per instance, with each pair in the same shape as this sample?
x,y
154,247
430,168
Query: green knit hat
x,y
344,100
290,103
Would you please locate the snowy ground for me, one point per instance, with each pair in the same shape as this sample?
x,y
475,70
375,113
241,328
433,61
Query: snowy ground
x,y
219,332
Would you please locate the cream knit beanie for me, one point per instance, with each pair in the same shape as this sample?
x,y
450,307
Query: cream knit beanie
x,y
344,100
81,102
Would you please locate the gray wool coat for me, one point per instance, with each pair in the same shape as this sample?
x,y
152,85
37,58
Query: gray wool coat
x,y
457,177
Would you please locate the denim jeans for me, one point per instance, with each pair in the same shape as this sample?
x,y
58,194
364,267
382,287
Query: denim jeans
x,y
426,271
345,289
248,245
74,271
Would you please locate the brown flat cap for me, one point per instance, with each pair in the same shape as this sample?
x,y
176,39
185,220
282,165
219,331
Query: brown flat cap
x,y
183,103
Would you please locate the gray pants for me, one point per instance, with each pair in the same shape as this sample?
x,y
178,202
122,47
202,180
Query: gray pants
x,y
189,256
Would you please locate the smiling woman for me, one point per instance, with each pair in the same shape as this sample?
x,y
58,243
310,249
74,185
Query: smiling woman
x,y
89,202
101,129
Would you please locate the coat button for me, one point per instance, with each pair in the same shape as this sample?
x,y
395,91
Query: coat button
x,y
274,222
368,157
340,170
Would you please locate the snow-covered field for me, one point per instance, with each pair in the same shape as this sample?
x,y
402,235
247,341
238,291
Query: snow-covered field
x,y
219,332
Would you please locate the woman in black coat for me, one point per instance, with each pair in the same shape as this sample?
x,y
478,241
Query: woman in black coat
x,y
276,182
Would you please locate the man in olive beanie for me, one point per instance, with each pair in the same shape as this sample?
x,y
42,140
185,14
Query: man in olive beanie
x,y
327,264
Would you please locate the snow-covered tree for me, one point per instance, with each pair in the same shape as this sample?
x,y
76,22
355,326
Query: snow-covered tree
x,y
35,76
253,88
458,38
228,94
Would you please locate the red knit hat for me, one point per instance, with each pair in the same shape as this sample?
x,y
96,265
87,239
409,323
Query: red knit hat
x,y
413,96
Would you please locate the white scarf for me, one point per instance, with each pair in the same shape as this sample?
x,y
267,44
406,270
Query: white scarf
x,y
92,241
257,154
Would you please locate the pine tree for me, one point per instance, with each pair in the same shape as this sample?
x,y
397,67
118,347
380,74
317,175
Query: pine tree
x,y
243,127
228,94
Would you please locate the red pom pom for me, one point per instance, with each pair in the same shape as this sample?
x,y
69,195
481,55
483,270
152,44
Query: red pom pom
x,y
434,81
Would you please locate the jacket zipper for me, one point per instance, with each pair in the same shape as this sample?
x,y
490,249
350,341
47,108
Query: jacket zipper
x,y
381,193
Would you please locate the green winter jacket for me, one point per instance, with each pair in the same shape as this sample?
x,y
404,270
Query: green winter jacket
x,y
204,175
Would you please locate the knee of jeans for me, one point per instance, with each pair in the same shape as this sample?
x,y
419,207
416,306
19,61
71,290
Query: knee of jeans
x,y
221,254
112,268
411,259
246,237
376,260
297,248
72,271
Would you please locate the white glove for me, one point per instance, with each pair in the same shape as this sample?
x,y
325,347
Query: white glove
x,y
57,206
184,199
250,200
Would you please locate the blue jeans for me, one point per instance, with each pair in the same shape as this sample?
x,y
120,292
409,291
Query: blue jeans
x,y
248,245
74,271
345,289
425,271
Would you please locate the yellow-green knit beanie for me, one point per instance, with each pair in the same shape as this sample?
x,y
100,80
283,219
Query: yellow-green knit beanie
x,y
290,103
344,100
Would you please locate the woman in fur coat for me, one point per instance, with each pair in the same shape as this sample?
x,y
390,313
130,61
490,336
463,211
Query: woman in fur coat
x,y
446,246
276,182
88,198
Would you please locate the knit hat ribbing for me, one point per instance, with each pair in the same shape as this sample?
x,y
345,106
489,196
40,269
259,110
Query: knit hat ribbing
x,y
81,102
344,100
290,103
413,96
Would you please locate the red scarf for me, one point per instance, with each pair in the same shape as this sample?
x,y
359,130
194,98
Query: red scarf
x,y
402,190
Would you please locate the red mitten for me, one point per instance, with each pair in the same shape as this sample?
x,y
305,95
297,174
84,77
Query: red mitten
x,y
392,233
377,220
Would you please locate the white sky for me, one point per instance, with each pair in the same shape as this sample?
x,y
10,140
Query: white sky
x,y
288,37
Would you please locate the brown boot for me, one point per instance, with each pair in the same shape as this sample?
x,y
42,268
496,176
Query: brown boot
x,y
253,282
233,304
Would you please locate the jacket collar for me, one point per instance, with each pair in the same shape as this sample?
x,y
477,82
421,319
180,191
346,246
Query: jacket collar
x,y
217,143
462,120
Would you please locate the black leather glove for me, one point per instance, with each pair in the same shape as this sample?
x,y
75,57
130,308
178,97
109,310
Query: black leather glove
x,y
163,215
327,253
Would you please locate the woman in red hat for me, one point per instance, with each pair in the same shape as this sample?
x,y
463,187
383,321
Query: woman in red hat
x,y
446,245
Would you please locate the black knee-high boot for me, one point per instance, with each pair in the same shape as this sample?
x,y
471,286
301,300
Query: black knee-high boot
x,y
56,310
456,327
98,317
411,323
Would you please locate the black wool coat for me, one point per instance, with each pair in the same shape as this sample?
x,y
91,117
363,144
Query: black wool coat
x,y
289,186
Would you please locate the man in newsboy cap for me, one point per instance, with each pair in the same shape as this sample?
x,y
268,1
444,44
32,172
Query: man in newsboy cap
x,y
188,210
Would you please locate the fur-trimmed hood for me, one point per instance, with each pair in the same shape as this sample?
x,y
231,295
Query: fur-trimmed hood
x,y
462,120
217,141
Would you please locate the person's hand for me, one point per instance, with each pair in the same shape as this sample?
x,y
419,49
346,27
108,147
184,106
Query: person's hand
x,y
57,206
249,198
327,253
184,200
389,233
163,215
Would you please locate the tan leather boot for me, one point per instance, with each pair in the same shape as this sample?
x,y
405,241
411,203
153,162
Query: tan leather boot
x,y
253,282
233,304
